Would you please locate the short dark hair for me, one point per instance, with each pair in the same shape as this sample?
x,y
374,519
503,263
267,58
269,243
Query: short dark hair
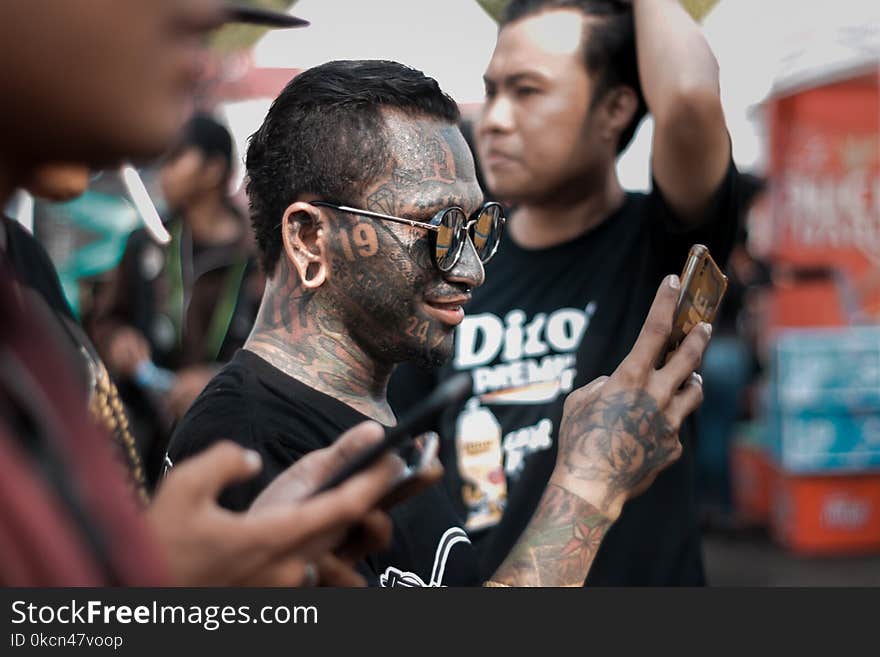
x,y
325,135
609,47
209,136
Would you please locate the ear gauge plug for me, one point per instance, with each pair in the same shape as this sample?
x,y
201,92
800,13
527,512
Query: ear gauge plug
x,y
312,278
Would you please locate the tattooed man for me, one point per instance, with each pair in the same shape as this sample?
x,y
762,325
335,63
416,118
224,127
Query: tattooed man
x,y
351,180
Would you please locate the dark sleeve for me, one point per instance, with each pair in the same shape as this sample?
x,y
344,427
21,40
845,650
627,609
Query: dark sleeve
x,y
717,227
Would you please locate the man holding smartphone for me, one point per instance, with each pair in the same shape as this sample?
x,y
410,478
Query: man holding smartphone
x,y
566,88
373,233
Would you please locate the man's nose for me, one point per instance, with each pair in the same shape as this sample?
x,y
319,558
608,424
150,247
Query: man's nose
x,y
469,269
497,115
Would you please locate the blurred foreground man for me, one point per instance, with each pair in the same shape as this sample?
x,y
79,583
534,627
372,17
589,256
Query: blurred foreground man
x,y
373,233
66,517
567,85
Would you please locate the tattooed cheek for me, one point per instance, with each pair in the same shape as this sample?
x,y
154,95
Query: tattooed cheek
x,y
438,340
421,254
365,240
418,329
361,243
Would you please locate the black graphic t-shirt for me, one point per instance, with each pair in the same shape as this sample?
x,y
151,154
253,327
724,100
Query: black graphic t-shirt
x,y
547,321
260,407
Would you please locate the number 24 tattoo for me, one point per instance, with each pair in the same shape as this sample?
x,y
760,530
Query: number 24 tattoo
x,y
417,329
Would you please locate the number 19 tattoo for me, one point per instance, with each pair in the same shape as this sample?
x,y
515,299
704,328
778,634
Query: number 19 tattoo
x,y
365,241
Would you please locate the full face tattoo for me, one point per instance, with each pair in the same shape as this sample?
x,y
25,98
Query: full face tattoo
x,y
345,336
381,272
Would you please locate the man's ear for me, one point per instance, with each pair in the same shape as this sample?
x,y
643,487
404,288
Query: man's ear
x,y
303,240
619,106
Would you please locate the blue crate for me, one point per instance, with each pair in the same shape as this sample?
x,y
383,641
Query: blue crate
x,y
825,443
823,400
827,370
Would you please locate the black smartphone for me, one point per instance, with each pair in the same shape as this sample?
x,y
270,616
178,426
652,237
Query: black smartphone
x,y
421,418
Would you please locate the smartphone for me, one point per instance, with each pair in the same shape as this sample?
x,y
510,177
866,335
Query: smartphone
x,y
703,285
420,419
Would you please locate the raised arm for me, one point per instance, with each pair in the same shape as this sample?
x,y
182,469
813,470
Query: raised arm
x,y
617,434
679,77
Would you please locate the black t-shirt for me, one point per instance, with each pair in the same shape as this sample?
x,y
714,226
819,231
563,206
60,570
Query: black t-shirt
x,y
260,407
547,321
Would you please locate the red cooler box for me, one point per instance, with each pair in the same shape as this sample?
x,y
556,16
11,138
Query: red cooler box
x,y
827,515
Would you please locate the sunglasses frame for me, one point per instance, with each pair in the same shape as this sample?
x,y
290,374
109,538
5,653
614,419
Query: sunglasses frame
x,y
433,226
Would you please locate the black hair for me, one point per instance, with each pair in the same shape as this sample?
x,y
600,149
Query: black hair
x,y
325,134
206,134
609,47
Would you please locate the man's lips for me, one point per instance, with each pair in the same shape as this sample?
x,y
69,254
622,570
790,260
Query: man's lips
x,y
447,310
495,157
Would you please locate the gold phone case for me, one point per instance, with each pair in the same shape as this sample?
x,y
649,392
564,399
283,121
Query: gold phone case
x,y
703,285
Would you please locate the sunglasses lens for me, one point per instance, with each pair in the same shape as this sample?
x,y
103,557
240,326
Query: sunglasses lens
x,y
448,243
487,231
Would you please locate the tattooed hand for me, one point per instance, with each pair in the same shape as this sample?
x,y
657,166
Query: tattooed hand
x,y
619,432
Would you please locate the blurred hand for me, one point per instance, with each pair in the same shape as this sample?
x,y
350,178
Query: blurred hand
x,y
127,349
283,538
373,533
187,386
422,475
619,432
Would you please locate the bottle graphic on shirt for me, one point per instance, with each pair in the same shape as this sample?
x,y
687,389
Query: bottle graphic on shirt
x,y
480,463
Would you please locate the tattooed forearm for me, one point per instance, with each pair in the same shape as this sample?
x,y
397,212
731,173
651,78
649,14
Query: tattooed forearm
x,y
559,544
618,440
